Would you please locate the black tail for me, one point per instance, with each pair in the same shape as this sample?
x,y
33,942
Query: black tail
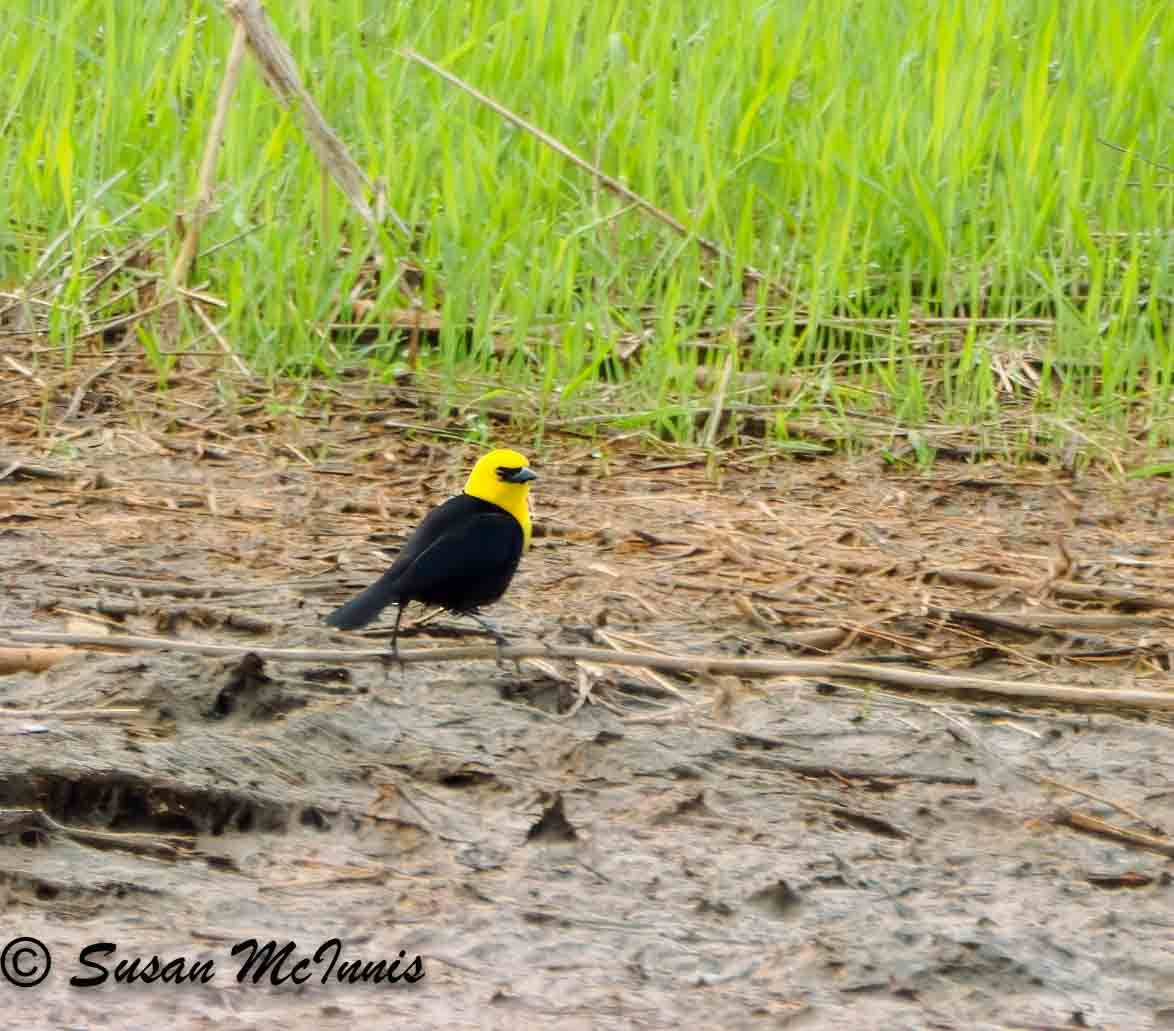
x,y
365,606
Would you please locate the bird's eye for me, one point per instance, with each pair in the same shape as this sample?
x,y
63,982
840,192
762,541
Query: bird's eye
x,y
508,472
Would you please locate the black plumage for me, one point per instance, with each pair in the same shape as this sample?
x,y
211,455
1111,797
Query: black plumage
x,y
462,555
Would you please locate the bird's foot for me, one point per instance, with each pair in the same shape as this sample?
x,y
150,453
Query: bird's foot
x,y
494,631
391,656
501,641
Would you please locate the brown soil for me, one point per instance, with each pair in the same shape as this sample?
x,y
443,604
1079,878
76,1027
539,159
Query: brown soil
x,y
577,846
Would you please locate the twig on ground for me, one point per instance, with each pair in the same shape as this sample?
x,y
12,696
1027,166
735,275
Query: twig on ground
x,y
71,714
1125,810
713,664
171,846
844,773
1061,589
79,393
1095,825
31,660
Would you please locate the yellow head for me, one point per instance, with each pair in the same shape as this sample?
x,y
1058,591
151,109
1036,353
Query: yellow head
x,y
502,478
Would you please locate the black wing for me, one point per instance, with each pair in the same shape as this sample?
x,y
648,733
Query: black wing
x,y
469,565
478,560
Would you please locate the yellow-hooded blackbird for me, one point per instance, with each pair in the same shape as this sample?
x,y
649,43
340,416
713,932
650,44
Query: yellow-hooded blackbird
x,y
464,553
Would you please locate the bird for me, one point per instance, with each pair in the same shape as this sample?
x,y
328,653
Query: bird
x,y
463,554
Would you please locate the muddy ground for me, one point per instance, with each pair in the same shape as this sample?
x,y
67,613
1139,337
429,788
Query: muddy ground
x,y
578,846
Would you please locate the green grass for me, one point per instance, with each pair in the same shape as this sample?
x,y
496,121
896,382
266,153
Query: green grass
x,y
888,164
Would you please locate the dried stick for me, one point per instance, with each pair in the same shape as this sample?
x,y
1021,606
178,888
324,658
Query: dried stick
x,y
609,182
210,326
1095,825
128,712
1060,589
713,664
39,472
973,578
31,660
1072,789
199,212
280,71
719,400
79,394
169,846
1042,623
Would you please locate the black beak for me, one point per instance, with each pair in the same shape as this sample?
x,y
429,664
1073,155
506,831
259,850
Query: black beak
x,y
523,475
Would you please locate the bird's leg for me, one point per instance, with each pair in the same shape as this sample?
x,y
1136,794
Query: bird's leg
x,y
492,629
394,657
489,627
